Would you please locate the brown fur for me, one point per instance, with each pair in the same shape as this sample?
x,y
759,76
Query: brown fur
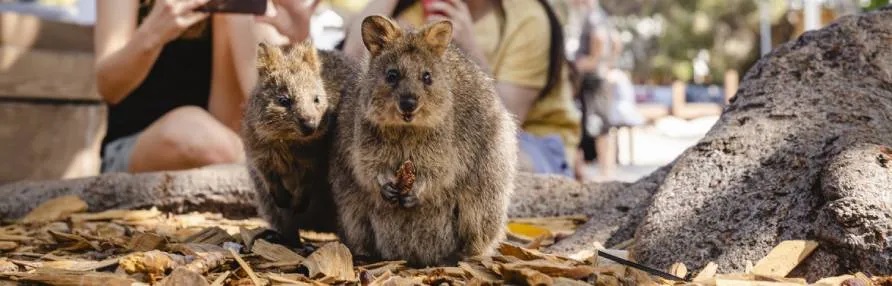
x,y
461,141
288,164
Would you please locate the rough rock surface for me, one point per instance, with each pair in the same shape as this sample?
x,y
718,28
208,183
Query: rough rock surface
x,y
798,154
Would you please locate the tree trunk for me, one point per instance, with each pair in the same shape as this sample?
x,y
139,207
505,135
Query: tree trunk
x,y
223,189
800,153
229,191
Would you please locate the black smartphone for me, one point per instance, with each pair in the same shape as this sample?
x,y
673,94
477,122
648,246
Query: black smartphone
x,y
257,7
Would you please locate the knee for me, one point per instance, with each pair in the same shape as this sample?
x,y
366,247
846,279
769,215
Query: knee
x,y
195,136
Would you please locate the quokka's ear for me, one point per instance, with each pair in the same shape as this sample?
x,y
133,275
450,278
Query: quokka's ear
x,y
378,32
269,57
304,55
437,36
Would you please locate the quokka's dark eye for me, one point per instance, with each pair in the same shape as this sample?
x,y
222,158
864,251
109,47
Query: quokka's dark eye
x,y
284,101
316,100
392,76
426,78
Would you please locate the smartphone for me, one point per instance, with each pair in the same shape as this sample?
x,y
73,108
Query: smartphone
x,y
427,11
257,7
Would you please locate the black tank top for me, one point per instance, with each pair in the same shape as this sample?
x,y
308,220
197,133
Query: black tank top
x,y
181,76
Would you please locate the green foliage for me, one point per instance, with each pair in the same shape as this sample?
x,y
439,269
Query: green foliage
x,y
875,4
727,29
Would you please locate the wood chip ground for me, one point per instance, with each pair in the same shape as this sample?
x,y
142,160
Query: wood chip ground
x,y
60,244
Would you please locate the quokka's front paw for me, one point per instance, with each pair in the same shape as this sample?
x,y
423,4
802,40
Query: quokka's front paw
x,y
408,200
391,193
399,188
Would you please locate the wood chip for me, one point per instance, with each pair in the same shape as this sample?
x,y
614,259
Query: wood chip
x,y
55,209
291,279
13,237
249,235
331,260
678,269
246,267
389,279
274,252
221,279
561,281
79,265
707,273
207,256
641,277
6,266
784,257
153,263
527,232
126,215
833,281
67,277
376,269
77,242
608,280
183,276
479,272
554,269
525,276
558,226
319,237
285,266
211,235
8,245
729,282
521,253
143,241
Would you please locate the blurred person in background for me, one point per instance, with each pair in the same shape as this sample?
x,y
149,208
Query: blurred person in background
x,y
592,59
176,80
520,44
620,90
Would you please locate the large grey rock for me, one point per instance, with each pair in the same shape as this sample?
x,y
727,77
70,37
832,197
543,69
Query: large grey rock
x,y
797,155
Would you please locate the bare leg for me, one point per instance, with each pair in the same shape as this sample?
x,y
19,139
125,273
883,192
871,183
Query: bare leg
x,y
184,138
606,146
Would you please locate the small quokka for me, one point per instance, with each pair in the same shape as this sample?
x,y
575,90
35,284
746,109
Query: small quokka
x,y
421,105
287,136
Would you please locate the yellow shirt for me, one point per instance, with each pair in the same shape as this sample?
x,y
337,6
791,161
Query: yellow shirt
x,y
520,56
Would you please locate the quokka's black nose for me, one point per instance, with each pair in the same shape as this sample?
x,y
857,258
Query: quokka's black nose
x,y
307,126
408,104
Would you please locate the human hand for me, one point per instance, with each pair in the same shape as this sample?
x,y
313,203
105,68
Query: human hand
x,y
291,18
463,26
169,18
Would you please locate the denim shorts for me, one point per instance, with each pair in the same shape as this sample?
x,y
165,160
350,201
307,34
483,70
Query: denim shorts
x,y
546,153
117,154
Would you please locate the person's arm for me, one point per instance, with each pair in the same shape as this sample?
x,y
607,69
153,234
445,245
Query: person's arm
x,y
124,52
353,45
121,63
463,33
290,18
233,74
517,99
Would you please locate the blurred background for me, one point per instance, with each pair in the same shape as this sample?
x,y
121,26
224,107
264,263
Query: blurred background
x,y
684,60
